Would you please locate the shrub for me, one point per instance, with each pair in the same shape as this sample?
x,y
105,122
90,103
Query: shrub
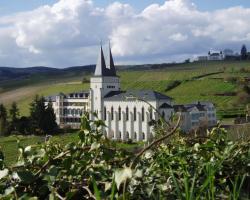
x,y
172,85
207,167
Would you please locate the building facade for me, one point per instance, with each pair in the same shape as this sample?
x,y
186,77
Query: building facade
x,y
127,114
195,115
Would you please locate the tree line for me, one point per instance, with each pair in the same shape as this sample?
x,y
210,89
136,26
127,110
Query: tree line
x,y
41,119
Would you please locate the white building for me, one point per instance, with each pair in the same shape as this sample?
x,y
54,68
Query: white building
x,y
198,114
126,113
215,55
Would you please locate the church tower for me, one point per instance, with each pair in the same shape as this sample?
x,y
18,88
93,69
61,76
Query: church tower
x,y
104,81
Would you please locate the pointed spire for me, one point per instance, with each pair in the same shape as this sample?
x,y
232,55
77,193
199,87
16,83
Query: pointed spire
x,y
100,69
110,63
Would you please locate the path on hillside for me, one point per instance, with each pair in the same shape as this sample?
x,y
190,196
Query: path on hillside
x,y
18,94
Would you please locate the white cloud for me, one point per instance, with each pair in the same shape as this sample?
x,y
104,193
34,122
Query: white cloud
x,y
68,32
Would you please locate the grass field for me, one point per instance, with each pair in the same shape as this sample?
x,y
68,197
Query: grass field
x,y
10,147
9,144
23,91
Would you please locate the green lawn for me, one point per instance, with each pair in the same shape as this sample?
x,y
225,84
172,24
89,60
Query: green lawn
x,y
10,147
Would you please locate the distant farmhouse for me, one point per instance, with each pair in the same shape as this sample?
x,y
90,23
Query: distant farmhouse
x,y
127,114
227,54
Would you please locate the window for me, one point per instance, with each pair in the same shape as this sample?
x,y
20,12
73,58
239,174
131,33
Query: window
x,y
119,113
127,114
119,135
127,135
105,113
135,113
142,114
110,86
112,113
135,135
163,114
143,136
151,114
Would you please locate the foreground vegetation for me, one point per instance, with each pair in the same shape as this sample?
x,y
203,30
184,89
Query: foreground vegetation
x,y
204,166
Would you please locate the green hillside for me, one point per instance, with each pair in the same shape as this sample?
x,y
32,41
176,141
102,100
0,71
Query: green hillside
x,y
197,83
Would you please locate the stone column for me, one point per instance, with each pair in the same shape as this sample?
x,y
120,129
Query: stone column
x,y
139,127
147,134
123,128
131,120
116,128
109,135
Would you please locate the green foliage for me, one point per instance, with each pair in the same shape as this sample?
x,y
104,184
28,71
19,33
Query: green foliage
x,y
3,120
14,117
43,119
201,167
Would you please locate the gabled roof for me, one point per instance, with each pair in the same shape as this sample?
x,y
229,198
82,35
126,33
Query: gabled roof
x,y
165,105
101,68
190,107
179,108
110,64
134,95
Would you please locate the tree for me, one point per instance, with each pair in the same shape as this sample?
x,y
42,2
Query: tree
x,y
43,119
14,116
3,120
37,114
244,52
49,123
24,125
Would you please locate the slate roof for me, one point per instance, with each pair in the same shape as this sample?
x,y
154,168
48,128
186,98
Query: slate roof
x,y
50,98
189,107
110,64
133,95
72,95
165,105
179,108
101,68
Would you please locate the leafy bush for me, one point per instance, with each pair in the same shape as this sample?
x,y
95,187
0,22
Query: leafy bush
x,y
171,167
172,85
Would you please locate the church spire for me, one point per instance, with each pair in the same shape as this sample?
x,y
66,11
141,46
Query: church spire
x,y
110,63
100,69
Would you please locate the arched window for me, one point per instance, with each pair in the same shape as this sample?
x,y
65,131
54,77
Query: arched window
x,y
127,135
119,113
143,136
112,113
151,113
143,114
134,113
105,113
163,114
135,134
127,114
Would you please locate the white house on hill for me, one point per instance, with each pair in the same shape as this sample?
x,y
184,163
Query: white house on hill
x,y
126,113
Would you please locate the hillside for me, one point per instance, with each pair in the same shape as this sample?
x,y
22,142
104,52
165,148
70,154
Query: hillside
x,y
197,81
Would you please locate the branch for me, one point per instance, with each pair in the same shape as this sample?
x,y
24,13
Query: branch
x,y
155,143
166,122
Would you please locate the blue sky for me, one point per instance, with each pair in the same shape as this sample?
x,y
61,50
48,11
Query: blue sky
x,y
69,32
12,6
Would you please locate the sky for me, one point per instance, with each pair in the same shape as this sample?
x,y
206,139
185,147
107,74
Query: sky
x,y
63,33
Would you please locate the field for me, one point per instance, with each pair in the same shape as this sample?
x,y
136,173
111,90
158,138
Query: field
x,y
10,147
156,78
